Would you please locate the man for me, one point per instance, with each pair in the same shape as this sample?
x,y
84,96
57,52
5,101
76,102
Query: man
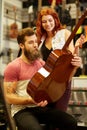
x,y
27,113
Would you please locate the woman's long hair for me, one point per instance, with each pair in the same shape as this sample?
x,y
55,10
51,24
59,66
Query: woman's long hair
x,y
39,29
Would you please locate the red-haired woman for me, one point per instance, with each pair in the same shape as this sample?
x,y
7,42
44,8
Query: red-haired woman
x,y
52,35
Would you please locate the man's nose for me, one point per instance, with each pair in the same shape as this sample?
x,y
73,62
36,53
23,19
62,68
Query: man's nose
x,y
35,44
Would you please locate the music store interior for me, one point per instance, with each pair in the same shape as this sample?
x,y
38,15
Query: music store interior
x,y
18,14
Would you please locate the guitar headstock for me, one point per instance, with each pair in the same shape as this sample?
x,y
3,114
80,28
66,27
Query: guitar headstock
x,y
77,3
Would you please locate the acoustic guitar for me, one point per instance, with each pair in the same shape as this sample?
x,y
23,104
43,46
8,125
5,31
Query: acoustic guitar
x,y
50,82
13,27
64,14
78,12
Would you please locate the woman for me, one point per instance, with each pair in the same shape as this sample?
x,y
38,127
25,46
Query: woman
x,y
52,35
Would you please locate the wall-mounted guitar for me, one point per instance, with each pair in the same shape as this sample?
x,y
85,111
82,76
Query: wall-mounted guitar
x,y
39,5
50,82
54,2
13,32
80,29
64,14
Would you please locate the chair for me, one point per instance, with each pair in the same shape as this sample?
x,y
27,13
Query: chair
x,y
10,120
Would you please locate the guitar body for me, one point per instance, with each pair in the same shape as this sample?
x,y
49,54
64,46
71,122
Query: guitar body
x,y
13,30
50,83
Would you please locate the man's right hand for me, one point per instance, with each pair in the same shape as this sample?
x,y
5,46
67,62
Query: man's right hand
x,y
42,103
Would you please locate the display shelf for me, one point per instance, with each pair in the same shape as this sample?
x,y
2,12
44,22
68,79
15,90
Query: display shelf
x,y
79,89
78,101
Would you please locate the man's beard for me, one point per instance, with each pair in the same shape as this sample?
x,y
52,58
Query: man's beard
x,y
32,55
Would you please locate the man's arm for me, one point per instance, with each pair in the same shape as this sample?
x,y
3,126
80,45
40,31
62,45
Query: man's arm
x,y
11,96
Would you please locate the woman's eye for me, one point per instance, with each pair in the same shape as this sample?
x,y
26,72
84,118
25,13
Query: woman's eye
x,y
43,21
50,20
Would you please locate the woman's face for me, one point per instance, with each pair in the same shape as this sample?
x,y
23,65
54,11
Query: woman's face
x,y
48,22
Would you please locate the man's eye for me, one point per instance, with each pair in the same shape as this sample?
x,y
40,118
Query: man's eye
x,y
31,42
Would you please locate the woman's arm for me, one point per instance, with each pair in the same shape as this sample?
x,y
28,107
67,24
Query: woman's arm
x,y
76,61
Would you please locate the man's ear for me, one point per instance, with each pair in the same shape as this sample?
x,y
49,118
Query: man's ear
x,y
21,45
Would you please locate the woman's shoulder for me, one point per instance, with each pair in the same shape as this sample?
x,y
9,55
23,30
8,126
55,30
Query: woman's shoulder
x,y
67,33
62,31
65,30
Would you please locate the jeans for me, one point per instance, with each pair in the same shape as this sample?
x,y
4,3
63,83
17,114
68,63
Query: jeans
x,y
31,118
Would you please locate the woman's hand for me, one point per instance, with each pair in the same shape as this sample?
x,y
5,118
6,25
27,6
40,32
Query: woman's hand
x,y
76,61
81,40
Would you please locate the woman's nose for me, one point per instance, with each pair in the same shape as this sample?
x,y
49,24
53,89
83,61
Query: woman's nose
x,y
47,22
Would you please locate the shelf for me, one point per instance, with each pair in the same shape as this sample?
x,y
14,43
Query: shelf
x,y
77,103
79,89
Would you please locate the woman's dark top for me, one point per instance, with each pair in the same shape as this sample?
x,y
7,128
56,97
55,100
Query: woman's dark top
x,y
45,52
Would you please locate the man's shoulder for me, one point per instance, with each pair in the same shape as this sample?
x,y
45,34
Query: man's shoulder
x,y
15,63
12,70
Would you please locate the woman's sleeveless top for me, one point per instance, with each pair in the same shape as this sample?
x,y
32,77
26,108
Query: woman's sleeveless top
x,y
58,42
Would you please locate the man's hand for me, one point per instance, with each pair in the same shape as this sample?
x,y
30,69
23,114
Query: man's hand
x,y
42,103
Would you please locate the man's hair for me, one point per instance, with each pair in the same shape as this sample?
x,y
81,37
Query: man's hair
x,y
21,36
24,32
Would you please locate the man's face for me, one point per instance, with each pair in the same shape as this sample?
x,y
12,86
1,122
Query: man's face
x,y
31,48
